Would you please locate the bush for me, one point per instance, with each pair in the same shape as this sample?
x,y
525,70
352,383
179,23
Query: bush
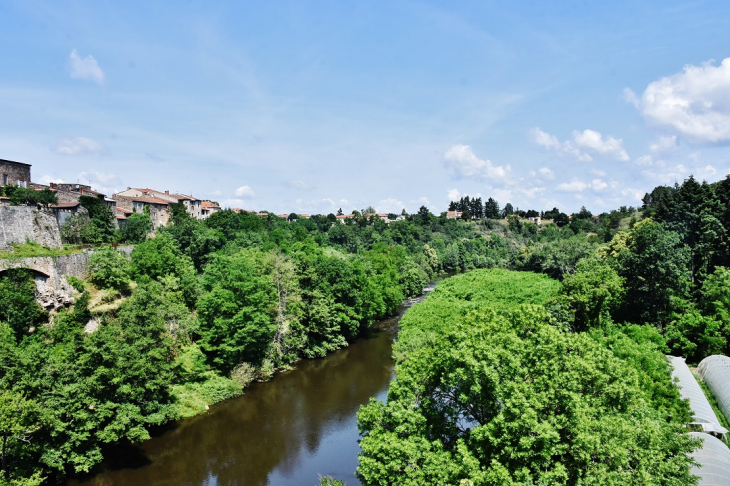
x,y
109,269
244,374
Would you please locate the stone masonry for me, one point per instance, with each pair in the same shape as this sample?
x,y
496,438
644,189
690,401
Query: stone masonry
x,y
15,173
20,224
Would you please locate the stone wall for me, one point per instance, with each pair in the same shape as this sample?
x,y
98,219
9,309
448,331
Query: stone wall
x,y
19,224
52,289
14,172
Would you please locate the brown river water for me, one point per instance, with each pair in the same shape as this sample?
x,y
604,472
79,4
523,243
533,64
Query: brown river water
x,y
301,424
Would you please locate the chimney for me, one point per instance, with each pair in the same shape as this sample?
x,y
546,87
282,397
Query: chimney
x,y
167,192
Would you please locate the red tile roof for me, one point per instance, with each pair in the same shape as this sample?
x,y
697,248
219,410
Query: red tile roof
x,y
148,200
122,210
208,204
183,196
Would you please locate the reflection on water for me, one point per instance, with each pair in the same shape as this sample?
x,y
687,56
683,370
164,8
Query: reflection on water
x,y
287,431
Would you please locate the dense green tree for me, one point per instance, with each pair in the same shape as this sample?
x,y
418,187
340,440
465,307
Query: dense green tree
x,y
655,266
136,228
516,401
237,309
109,268
491,209
18,307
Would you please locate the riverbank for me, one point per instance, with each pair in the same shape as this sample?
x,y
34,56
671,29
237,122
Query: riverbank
x,y
300,424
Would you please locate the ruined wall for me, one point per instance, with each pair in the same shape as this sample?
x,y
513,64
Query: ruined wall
x,y
52,289
19,224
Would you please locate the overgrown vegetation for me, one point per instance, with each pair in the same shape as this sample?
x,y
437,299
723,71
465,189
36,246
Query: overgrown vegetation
x,y
503,392
202,309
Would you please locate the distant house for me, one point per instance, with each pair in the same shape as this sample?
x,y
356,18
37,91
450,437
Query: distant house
x,y
207,208
193,205
122,215
159,208
535,219
63,211
453,214
342,217
14,173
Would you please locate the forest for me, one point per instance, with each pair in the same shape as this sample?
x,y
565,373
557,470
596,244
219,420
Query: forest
x,y
202,309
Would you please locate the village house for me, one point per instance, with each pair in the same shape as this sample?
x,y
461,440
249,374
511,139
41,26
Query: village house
x,y
159,208
207,208
14,173
453,214
192,204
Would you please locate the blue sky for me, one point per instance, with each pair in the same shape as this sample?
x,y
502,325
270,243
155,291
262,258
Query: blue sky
x,y
311,106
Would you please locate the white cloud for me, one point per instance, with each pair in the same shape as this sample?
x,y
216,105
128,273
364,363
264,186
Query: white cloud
x,y
631,97
99,181
85,68
244,192
694,103
299,185
453,194
390,205
78,146
423,201
665,143
599,173
635,194
46,179
645,160
235,203
593,141
465,163
543,174
598,185
552,144
575,185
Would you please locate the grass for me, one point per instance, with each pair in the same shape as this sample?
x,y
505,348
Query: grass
x,y
30,250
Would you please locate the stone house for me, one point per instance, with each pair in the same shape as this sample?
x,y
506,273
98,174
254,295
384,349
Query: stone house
x,y
192,204
159,208
63,211
207,208
14,173
453,214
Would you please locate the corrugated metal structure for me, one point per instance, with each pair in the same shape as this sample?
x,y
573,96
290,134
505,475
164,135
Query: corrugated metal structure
x,y
704,416
715,372
714,459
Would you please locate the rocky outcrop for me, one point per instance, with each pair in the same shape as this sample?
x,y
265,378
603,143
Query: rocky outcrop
x,y
21,224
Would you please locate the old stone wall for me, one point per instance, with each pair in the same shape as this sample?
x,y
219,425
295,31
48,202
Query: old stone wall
x,y
52,289
14,172
19,224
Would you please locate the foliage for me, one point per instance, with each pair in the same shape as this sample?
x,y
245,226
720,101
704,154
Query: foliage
x,y
512,399
109,269
136,228
18,307
25,196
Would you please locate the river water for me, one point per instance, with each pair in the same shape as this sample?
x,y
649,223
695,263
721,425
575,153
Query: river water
x,y
287,431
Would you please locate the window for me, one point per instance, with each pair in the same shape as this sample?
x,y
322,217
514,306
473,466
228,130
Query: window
x,y
5,179
22,184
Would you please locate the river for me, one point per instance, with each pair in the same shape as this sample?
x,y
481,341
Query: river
x,y
287,431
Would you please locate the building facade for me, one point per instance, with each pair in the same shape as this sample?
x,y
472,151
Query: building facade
x,y
14,173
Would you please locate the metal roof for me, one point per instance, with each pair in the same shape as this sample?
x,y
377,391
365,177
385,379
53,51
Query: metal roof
x,y
714,459
689,389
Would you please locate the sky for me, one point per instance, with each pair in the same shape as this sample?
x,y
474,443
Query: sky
x,y
311,106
